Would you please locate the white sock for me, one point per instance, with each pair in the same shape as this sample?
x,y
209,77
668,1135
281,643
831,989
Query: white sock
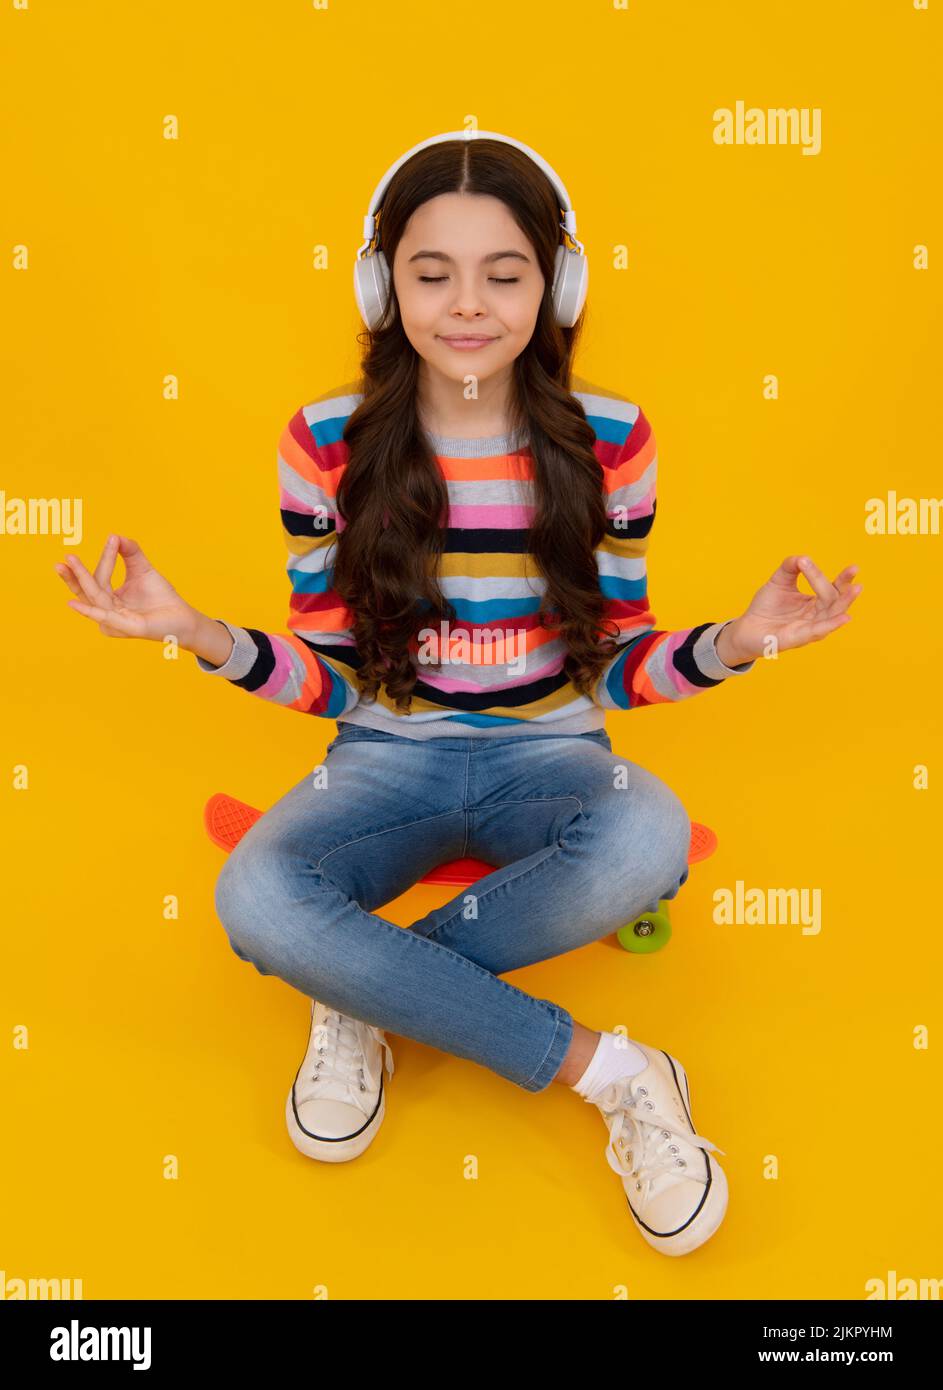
x,y
615,1056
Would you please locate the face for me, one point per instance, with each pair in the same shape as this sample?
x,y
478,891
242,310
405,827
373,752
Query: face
x,y
464,270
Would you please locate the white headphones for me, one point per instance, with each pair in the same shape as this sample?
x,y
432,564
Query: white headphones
x,y
571,271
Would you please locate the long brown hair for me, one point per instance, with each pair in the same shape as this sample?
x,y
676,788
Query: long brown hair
x,y
392,496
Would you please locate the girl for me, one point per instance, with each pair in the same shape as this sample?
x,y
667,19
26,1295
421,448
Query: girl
x,y
467,528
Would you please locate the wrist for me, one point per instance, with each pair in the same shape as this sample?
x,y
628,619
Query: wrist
x,y
189,627
728,648
207,638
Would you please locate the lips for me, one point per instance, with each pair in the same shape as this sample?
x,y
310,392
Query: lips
x,y
465,339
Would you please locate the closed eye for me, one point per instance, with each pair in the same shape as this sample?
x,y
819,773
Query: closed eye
x,y
437,279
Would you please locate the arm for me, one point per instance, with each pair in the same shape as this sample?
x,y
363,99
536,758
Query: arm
x,y
654,665
310,667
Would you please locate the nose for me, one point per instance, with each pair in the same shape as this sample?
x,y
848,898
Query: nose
x,y
467,300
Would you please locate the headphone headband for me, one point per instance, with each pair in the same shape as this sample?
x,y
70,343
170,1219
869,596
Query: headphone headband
x,y
569,216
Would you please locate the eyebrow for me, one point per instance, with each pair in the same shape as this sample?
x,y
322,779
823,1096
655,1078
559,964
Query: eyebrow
x,y
494,256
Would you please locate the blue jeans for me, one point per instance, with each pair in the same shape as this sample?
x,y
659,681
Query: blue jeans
x,y
580,848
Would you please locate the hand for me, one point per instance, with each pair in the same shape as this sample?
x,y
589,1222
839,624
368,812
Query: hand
x,y
145,605
780,610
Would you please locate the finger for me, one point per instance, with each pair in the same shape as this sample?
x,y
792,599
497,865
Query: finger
x,y
89,611
111,622
92,590
136,562
847,598
106,564
786,576
68,578
823,626
816,578
846,595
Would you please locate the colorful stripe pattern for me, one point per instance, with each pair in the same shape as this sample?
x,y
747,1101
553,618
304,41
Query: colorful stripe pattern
x,y
493,670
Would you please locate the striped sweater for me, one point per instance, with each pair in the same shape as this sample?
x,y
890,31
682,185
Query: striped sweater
x,y
493,670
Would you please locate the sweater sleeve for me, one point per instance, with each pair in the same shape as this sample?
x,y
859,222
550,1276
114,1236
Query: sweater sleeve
x,y
652,665
311,667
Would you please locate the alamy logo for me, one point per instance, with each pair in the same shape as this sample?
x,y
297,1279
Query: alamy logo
x,y
775,126
901,1288
42,516
16,1288
902,516
488,647
77,1343
769,907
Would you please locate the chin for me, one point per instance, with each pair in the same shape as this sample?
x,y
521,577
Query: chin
x,y
449,362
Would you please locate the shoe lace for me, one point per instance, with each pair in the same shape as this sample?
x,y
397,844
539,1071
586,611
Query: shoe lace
x,y
343,1070
651,1142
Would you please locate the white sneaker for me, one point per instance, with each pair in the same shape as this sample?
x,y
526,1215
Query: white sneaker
x,y
677,1193
337,1100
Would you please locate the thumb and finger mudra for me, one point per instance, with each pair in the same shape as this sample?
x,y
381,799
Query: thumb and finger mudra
x,y
102,604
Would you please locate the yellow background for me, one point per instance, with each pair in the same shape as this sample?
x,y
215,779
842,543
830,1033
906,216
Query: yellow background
x,y
193,257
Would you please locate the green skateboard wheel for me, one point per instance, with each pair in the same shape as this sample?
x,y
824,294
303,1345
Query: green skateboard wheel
x,y
648,932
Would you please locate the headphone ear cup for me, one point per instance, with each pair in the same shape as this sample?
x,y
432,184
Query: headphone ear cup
x,y
570,284
372,287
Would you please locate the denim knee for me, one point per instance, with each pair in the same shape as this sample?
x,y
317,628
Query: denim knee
x,y
249,890
674,837
642,836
